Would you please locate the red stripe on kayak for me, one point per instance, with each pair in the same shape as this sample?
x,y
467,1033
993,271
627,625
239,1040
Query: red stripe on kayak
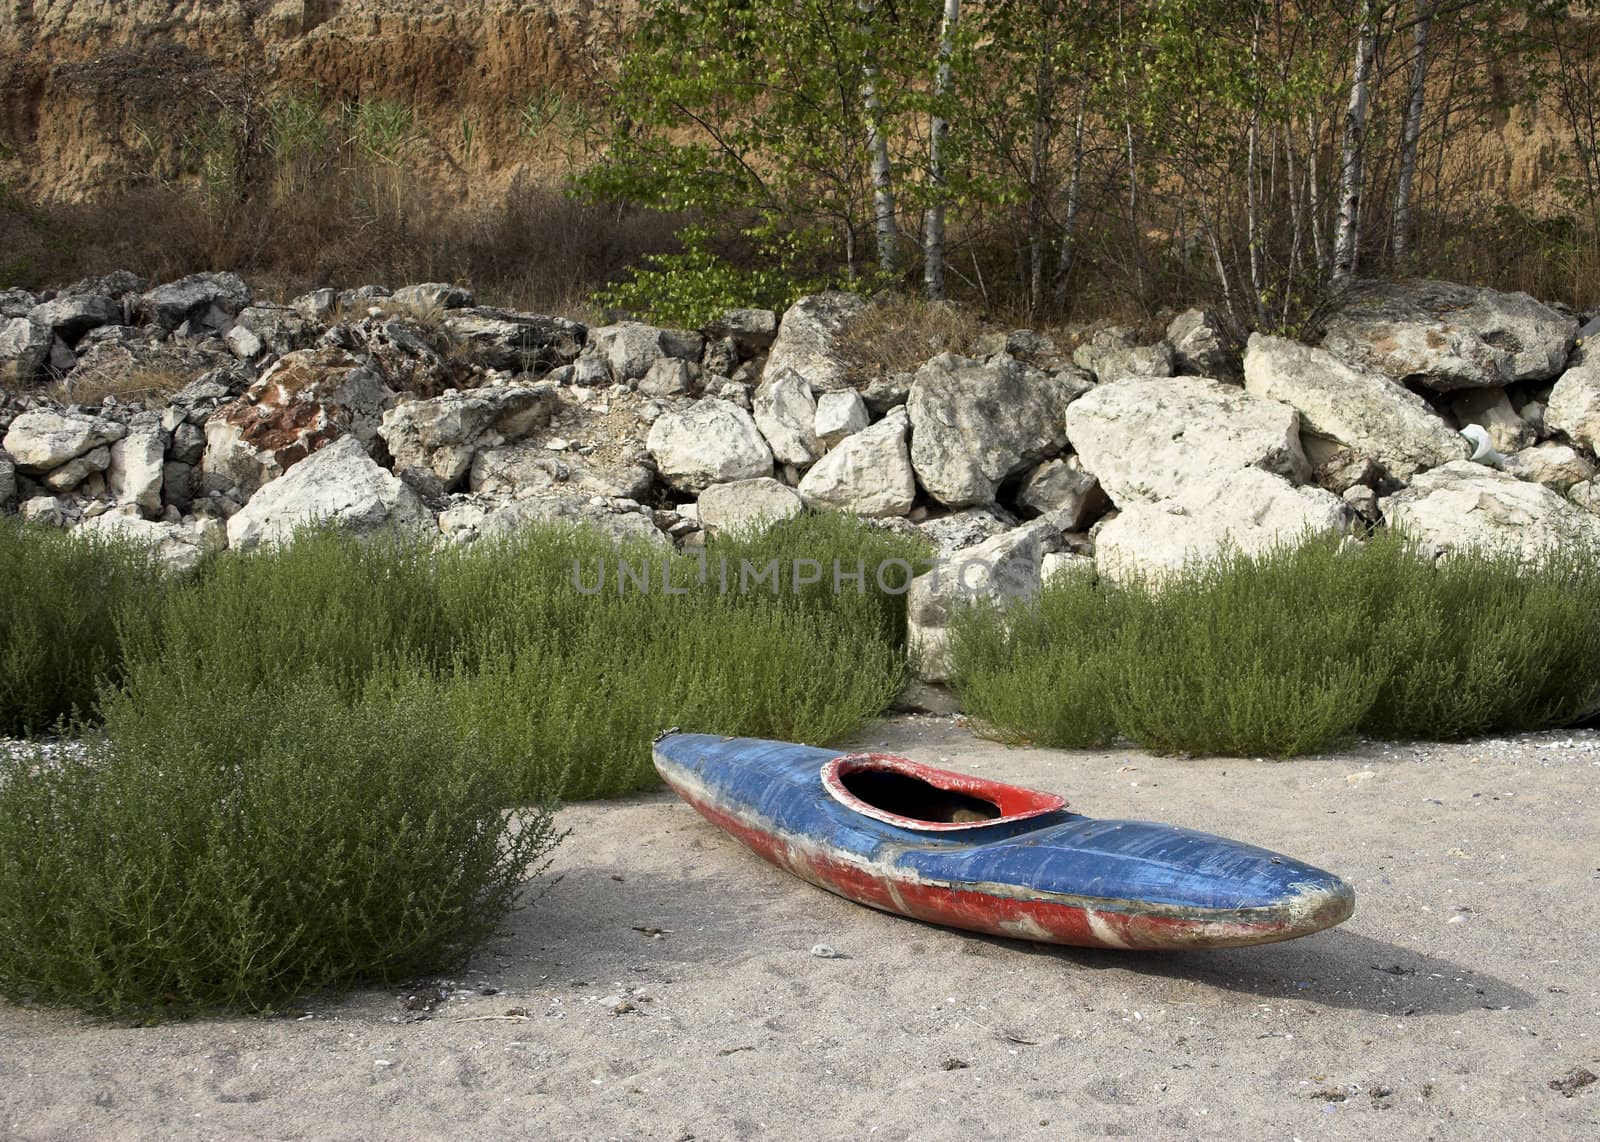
x,y
1043,921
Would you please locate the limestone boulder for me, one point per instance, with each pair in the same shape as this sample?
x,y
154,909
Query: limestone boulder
x,y
620,520
433,442
179,547
1445,336
212,300
966,528
1574,406
1557,466
975,424
516,342
752,331
1146,440
1063,493
807,340
25,347
135,475
305,401
786,412
435,295
69,318
275,328
43,440
1200,346
527,469
839,415
1492,411
748,507
1005,568
711,442
1247,510
1355,408
76,474
1114,354
631,349
1463,505
868,474
339,486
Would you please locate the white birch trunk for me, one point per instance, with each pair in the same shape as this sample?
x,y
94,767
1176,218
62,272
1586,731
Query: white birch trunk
x,y
933,230
883,207
1411,131
1345,235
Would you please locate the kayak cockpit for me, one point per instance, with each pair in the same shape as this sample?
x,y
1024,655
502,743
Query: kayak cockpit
x,y
910,795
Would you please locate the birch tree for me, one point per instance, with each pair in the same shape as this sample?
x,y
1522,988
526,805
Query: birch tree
x,y
1411,131
938,133
1351,148
885,228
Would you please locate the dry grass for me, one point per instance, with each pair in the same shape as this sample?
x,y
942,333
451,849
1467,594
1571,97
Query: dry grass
x,y
896,334
139,384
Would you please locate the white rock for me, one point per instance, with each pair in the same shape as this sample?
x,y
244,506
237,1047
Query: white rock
x,y
1448,336
1062,492
747,507
1114,354
807,338
1246,510
440,437
1556,466
1464,505
41,441
1360,409
1490,410
8,480
975,424
668,377
712,442
786,413
340,486
1574,406
1199,345
839,415
49,511
135,475
24,348
868,474
1004,568
75,472
179,547
525,469
619,520
1146,440
966,528
630,348
1064,565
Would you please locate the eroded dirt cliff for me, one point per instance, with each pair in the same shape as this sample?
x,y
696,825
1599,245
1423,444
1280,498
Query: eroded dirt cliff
x,y
90,89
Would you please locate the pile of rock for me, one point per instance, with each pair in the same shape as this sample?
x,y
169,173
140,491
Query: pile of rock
x,y
421,410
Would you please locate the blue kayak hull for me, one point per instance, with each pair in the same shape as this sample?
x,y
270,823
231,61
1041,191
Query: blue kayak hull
x,y
1051,876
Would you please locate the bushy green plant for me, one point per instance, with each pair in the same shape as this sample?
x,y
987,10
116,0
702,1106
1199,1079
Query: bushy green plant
x,y
58,614
695,285
236,848
1292,651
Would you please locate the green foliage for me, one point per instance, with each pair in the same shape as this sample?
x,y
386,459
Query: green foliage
x,y
1292,651
234,849
689,288
58,616
561,688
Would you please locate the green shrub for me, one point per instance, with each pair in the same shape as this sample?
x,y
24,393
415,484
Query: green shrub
x,y
1042,672
235,849
1292,651
58,615
565,688
571,687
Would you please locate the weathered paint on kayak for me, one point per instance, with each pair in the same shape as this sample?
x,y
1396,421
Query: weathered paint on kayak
x,y
1042,874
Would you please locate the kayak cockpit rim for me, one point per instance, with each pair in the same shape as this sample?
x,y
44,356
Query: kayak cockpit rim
x,y
910,795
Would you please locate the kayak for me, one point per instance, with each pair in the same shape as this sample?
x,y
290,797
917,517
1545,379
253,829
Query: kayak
x,y
965,852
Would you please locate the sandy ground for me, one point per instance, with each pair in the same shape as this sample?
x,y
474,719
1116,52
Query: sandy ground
x,y
664,988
